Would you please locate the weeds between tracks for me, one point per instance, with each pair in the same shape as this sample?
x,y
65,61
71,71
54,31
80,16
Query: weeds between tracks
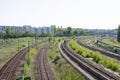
x,y
62,69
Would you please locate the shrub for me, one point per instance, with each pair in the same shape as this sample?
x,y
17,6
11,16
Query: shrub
x,y
79,51
23,45
26,68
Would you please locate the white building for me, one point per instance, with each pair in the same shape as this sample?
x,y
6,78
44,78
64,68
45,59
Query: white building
x,y
39,29
28,28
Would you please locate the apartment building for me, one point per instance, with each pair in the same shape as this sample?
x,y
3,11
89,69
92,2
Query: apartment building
x,y
28,28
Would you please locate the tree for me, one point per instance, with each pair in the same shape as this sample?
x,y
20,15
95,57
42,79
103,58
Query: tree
x,y
11,34
43,34
75,32
7,32
1,34
59,32
118,34
25,34
69,31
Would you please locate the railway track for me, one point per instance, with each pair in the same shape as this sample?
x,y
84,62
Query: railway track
x,y
99,41
97,73
101,51
44,71
7,72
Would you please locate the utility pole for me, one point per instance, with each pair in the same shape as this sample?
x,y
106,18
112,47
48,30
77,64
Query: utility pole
x,y
28,61
36,40
5,37
53,35
28,46
18,45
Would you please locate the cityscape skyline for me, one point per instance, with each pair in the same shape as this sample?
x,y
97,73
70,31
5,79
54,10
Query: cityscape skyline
x,y
28,28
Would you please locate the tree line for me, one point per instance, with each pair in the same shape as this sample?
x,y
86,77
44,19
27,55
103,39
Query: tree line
x,y
118,34
58,32
70,31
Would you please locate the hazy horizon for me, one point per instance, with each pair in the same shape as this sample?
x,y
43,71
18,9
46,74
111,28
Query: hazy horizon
x,y
87,14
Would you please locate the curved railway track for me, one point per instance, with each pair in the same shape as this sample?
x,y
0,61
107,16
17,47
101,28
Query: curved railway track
x,y
44,71
7,72
101,51
88,67
99,41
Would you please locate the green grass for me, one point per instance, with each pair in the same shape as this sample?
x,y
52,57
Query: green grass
x,y
86,39
107,40
10,48
29,63
62,69
30,60
97,57
94,39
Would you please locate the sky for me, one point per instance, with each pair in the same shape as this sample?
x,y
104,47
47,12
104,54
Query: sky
x,y
91,14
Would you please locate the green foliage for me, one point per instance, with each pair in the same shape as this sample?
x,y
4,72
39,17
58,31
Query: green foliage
x,y
79,32
59,40
69,32
15,34
45,33
97,57
26,68
29,63
23,45
26,72
49,39
32,51
1,34
63,70
28,60
118,34
111,43
22,77
9,47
